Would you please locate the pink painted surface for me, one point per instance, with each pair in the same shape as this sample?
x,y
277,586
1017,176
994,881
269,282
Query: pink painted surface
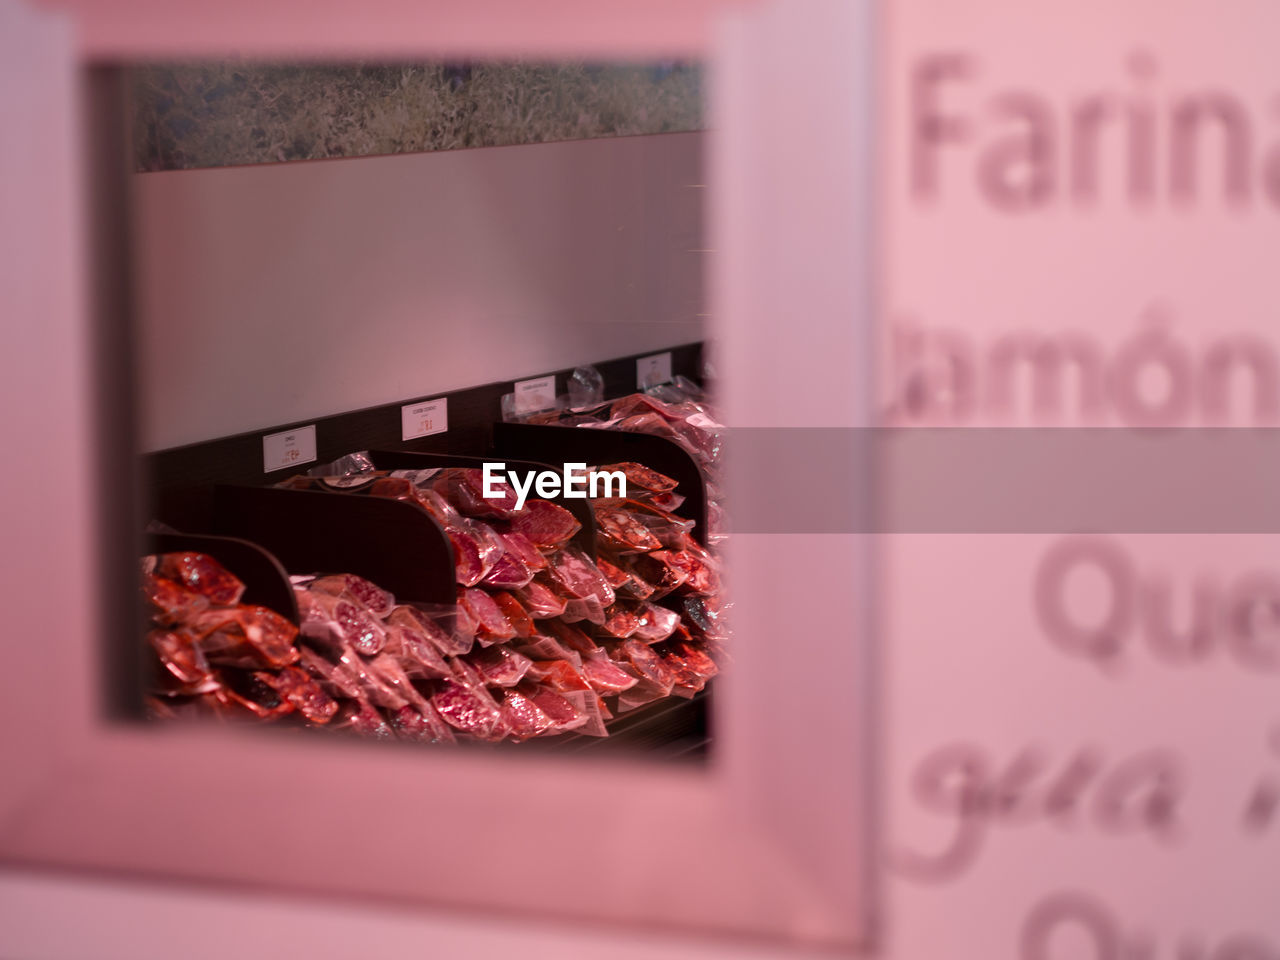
x,y
753,856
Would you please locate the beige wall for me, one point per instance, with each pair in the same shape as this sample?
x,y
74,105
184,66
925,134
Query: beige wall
x,y
271,294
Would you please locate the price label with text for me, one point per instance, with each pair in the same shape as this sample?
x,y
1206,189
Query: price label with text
x,y
535,395
424,418
289,448
650,371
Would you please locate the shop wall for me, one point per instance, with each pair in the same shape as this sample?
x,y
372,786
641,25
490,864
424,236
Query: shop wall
x,y
279,293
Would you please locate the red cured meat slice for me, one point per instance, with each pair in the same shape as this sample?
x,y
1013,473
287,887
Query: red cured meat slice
x,y
351,622
522,717
606,677
615,576
545,524
337,678
560,675
655,623
468,566
246,628
699,573
465,709
181,656
590,609
574,571
641,476
203,574
491,625
420,724
378,601
573,638
548,648
647,663
417,655
621,621
563,714
464,489
500,666
524,548
655,568
171,602
251,691
619,530
394,488
448,642
306,695
509,572
516,614
687,680
696,656
540,601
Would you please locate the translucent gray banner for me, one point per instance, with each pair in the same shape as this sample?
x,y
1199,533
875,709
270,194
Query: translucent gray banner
x,y
1008,480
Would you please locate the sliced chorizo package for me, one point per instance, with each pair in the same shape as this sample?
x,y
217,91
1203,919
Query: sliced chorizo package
x,y
342,619
448,629
170,602
500,666
421,725
202,574
545,524
379,602
523,718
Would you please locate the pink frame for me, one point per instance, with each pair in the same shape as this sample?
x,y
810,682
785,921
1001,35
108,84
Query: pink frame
x,y
773,838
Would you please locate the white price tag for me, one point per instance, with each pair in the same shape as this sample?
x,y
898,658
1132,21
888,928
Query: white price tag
x,y
289,448
424,418
653,370
535,395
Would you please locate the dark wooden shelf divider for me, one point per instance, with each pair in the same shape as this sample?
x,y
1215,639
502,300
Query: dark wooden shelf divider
x,y
395,544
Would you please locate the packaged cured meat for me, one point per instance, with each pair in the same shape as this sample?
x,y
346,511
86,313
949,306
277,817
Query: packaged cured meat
x,y
589,609
418,657
420,725
656,570
515,613
391,676
246,635
621,621
348,621
621,532
378,601
573,639
640,476
540,601
655,623
518,545
491,625
171,602
335,676
547,648
500,666
615,576
250,690
467,709
646,664
707,617
606,677
509,572
564,716
545,524
695,656
448,633
180,654
560,675
700,571
303,692
362,719
464,488
521,717
203,574
575,572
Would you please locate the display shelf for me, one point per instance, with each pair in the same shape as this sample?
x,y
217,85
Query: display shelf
x,y
394,544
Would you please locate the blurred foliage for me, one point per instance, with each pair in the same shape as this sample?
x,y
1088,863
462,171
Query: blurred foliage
x,y
226,113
